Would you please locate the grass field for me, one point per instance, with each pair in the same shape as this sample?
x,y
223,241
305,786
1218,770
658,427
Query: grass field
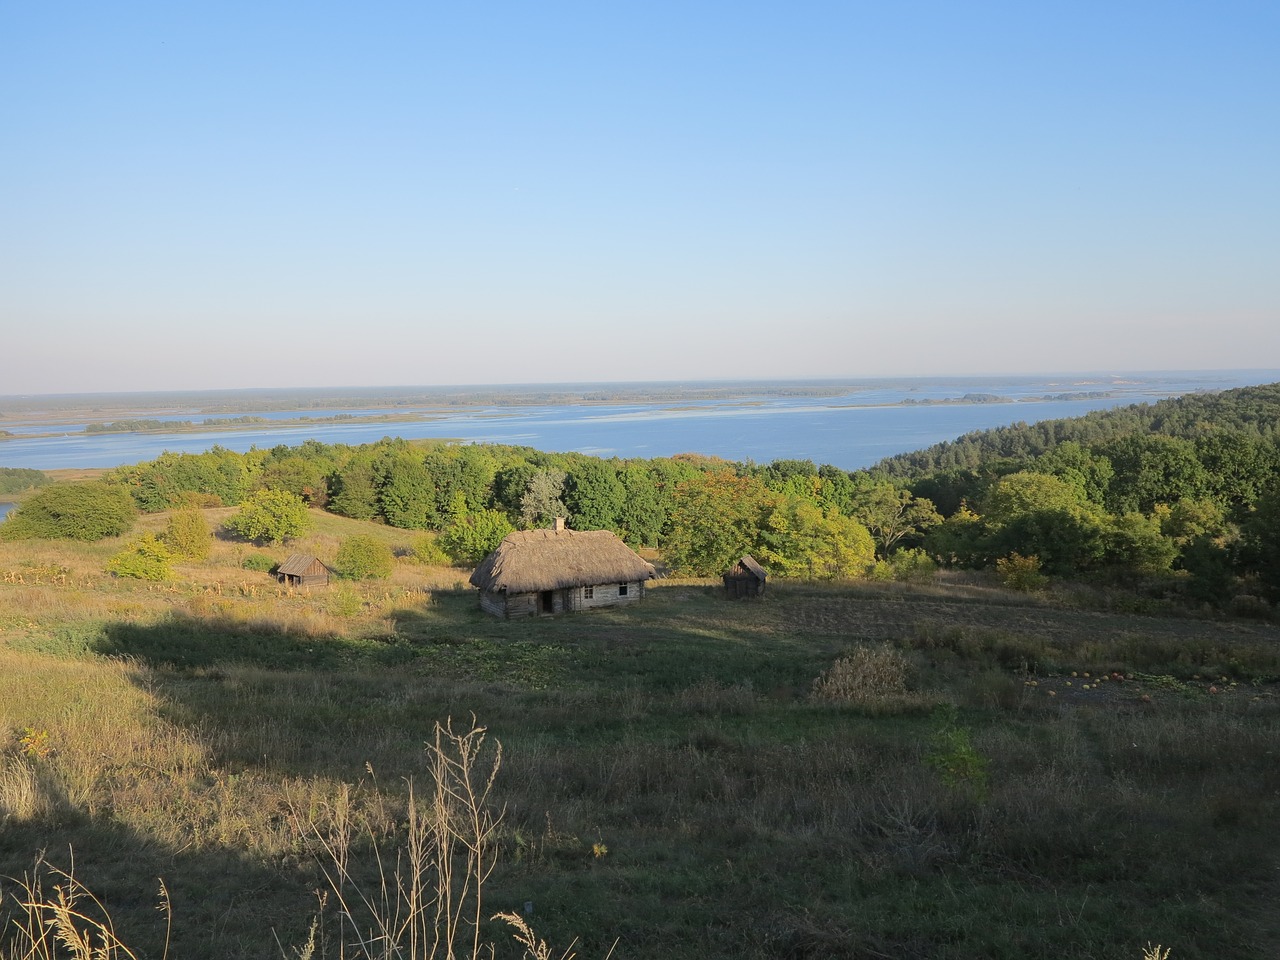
x,y
980,773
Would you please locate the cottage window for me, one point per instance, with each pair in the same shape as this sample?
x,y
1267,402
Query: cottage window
x,y
622,589
588,593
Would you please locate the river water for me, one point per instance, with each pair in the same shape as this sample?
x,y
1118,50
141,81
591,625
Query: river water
x,y
852,430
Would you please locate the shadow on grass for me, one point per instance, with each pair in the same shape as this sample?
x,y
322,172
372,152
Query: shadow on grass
x,y
185,641
223,903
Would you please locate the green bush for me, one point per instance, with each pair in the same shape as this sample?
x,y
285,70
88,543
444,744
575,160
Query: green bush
x,y
363,558
469,539
1021,573
73,511
271,516
910,565
145,559
188,534
259,562
426,550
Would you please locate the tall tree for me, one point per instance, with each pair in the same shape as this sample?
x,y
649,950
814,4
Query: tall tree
x,y
893,514
542,501
715,519
594,495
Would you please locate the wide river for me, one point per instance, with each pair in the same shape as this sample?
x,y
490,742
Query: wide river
x,y
872,420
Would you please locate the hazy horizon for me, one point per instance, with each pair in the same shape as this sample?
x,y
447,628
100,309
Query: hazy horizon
x,y
727,386
238,196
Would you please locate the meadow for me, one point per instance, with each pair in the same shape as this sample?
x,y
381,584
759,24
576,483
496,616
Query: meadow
x,y
942,769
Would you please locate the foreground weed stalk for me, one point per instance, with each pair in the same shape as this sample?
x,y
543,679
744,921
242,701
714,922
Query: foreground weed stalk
x,y
67,921
427,900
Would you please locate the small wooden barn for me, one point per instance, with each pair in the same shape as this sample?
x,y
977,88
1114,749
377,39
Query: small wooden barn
x,y
543,572
746,579
302,570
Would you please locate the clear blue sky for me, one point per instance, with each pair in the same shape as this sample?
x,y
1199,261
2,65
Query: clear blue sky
x,y
287,194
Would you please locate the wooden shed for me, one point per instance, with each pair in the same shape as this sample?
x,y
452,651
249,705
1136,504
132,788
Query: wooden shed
x,y
301,570
543,572
746,579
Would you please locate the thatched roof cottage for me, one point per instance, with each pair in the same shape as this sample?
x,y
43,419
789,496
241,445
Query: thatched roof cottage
x,y
540,572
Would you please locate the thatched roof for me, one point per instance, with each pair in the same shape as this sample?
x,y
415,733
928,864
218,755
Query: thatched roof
x,y
531,560
298,564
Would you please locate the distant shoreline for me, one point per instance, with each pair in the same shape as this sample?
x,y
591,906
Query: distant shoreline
x,y
222,410
238,424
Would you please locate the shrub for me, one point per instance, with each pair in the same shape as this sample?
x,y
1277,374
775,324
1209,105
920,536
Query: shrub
x,y
259,562
363,558
427,550
188,534
953,755
911,565
468,539
866,675
1021,573
145,559
271,516
73,511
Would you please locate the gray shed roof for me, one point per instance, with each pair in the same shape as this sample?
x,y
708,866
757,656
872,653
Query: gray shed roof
x,y
748,562
298,564
531,560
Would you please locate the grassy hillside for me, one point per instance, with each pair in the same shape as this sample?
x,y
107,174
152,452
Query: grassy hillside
x,y
969,785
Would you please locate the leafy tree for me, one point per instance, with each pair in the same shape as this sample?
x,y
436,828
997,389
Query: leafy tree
x,y
1034,514
641,517
1188,520
799,539
892,514
1260,547
1027,492
1136,542
949,490
1153,469
594,495
223,476
1088,472
271,516
541,502
354,488
406,493
715,519
145,559
838,489
88,511
959,540
469,539
1239,468
460,470
510,485
307,478
1211,568
187,534
363,558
